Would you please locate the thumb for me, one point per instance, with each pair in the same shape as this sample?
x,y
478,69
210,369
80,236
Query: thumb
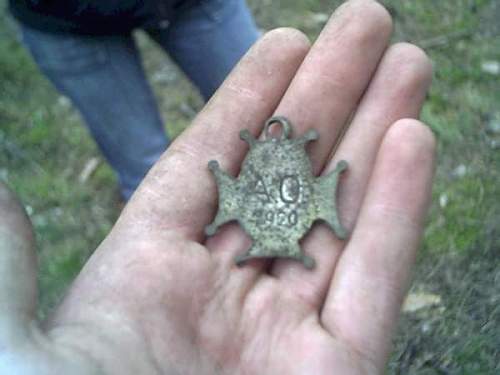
x,y
18,268
23,347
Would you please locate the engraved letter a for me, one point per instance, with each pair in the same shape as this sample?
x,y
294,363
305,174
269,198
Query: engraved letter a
x,y
261,190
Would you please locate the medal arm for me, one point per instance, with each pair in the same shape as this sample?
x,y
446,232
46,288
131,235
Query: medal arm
x,y
228,198
326,199
246,136
261,250
310,135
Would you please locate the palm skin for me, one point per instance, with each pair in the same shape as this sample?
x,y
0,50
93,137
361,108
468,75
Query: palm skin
x,y
158,297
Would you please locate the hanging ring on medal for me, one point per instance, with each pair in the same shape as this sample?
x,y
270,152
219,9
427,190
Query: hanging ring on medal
x,y
285,126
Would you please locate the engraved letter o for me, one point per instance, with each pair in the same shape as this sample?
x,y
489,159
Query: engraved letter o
x,y
290,189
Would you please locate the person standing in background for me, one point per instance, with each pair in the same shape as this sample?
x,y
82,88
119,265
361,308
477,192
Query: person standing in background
x,y
86,49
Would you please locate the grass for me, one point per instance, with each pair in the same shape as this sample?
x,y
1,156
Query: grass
x,y
45,149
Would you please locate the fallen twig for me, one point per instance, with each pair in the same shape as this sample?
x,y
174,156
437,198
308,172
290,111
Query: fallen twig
x,y
444,40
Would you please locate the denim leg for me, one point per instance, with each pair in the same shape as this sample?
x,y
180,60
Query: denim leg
x,y
104,79
208,39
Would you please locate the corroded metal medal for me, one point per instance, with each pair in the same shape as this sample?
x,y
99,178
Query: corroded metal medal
x,y
276,198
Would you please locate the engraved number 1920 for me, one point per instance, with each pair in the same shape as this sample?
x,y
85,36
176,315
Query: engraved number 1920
x,y
279,218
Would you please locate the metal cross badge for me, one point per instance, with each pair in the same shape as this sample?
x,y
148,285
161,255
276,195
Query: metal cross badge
x,y
276,198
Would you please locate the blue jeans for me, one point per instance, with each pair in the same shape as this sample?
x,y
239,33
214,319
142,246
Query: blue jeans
x,y
104,78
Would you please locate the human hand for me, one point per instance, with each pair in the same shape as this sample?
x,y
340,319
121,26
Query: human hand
x,y
158,297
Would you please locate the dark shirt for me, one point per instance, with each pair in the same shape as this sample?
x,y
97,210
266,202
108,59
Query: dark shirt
x,y
95,17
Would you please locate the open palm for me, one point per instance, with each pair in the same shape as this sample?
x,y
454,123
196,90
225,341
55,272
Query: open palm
x,y
158,297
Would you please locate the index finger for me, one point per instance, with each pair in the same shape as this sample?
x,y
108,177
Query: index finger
x,y
179,193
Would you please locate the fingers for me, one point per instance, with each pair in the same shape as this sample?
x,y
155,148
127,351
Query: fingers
x,y
325,92
336,72
179,193
18,267
372,274
397,91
